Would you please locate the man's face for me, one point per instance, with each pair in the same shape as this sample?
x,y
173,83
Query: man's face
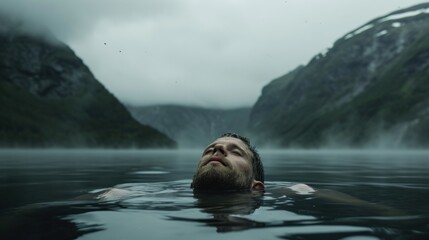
x,y
226,164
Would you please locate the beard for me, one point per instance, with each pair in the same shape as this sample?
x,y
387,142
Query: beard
x,y
214,179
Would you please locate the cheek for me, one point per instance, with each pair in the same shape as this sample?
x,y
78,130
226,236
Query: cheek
x,y
244,167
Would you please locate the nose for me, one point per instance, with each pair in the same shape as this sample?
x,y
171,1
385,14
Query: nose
x,y
219,149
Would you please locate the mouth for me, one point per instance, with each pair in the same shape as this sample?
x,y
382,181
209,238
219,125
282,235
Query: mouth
x,y
216,160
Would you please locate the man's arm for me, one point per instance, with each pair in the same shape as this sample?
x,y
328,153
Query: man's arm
x,y
342,198
332,196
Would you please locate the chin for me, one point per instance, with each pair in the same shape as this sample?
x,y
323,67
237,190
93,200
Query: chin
x,y
209,179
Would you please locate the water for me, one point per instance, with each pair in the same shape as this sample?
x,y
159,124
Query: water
x,y
37,188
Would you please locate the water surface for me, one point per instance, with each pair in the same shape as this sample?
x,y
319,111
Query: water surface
x,y
36,188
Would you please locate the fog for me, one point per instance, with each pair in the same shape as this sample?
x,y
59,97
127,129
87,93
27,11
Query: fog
x,y
191,52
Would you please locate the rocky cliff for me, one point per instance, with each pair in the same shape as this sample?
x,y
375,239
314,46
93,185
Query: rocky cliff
x,y
49,98
369,90
192,126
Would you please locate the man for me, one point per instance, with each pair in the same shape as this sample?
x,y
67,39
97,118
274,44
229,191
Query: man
x,y
229,163
232,163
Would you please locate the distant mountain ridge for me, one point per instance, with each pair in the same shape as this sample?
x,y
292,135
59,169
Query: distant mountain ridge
x,y
192,126
369,90
49,98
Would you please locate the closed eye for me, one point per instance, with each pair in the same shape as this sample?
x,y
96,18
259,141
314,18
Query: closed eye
x,y
207,151
237,152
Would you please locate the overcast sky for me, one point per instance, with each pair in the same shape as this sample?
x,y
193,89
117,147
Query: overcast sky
x,y
211,53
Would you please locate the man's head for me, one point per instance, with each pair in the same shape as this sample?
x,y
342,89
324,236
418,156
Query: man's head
x,y
229,163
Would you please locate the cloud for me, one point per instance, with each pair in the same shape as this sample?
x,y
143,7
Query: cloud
x,y
207,53
72,19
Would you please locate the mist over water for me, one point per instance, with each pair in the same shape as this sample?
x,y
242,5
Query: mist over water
x,y
28,178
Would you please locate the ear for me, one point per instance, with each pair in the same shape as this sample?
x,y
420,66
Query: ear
x,y
258,185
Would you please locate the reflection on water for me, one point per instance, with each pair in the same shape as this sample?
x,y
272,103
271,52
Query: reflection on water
x,y
36,188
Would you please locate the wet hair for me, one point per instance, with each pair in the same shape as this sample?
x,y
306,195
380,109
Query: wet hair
x,y
258,168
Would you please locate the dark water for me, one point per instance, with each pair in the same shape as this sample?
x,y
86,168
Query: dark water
x,y
36,188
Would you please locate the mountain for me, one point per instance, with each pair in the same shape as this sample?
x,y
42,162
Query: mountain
x,y
192,126
369,90
49,98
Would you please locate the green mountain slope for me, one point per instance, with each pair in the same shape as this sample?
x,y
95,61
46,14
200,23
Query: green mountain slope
x,y
369,90
49,98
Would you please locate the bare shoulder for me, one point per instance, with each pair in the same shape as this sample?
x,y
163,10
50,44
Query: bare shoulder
x,y
302,189
292,190
113,194
108,194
